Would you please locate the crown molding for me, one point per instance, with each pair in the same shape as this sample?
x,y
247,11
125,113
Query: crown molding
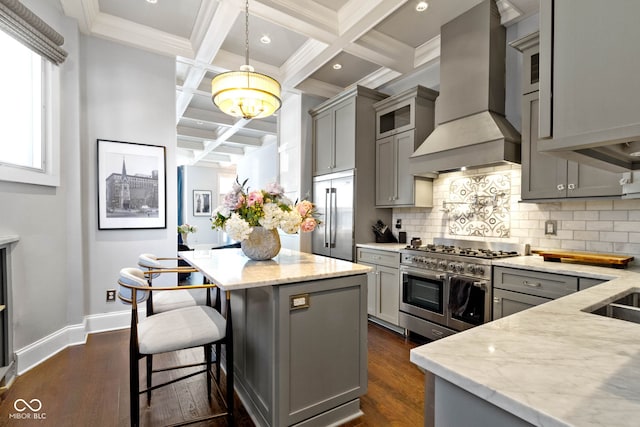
x,y
125,32
427,52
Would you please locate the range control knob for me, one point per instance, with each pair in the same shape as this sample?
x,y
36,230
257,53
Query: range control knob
x,y
442,265
460,268
451,266
480,269
471,268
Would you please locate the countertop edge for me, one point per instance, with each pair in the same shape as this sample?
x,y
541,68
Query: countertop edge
x,y
389,247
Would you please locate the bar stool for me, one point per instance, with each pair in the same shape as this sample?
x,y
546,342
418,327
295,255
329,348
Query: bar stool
x,y
165,332
165,301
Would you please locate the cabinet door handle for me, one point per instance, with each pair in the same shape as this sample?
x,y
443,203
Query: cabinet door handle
x,y
560,187
497,300
572,186
531,284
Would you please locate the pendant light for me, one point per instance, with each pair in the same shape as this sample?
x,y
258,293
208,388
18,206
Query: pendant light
x,y
245,93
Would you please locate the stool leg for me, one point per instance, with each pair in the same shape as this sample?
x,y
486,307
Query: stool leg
x,y
149,373
218,349
207,355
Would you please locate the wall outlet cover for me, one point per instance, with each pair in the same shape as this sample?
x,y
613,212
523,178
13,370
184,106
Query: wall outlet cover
x,y
551,227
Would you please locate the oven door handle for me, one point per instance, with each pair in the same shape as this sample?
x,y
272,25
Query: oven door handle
x,y
422,273
482,284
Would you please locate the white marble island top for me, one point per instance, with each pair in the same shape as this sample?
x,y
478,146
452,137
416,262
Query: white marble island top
x,y
554,364
231,270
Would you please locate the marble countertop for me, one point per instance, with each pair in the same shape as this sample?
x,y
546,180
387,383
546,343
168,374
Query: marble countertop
x,y
554,364
230,269
392,247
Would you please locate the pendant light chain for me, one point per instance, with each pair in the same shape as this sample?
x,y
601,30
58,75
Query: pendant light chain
x,y
246,32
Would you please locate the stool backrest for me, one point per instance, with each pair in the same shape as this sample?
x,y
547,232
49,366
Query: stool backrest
x,y
150,262
132,277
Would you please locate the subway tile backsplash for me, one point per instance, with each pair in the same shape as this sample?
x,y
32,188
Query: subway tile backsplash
x,y
611,226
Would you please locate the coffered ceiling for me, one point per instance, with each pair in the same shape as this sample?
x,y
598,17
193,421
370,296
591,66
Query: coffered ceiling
x,y
375,41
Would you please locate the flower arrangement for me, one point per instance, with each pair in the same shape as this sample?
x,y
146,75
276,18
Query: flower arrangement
x,y
243,209
186,228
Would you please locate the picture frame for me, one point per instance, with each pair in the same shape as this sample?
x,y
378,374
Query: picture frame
x,y
131,185
202,202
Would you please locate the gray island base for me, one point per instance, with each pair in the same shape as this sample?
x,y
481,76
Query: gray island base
x,y
300,334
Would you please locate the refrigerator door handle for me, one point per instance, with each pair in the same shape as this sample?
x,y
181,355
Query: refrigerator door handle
x,y
333,208
327,215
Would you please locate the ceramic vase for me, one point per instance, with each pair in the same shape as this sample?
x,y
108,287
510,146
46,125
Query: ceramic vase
x,y
262,244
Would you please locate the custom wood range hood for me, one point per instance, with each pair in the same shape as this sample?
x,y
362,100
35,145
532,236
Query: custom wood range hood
x,y
472,130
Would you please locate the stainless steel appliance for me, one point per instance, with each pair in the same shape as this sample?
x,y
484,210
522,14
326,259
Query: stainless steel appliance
x,y
333,197
446,286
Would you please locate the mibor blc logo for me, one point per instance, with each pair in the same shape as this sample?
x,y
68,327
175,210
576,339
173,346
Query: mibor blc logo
x,y
28,410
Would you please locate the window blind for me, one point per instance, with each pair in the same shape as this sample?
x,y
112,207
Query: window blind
x,y
26,27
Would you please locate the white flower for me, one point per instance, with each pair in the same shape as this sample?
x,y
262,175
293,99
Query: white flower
x,y
237,228
222,210
290,222
272,216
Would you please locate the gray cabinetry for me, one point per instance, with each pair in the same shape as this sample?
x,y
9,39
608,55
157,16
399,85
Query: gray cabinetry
x,y
383,283
545,176
298,364
403,121
342,127
517,289
344,144
588,76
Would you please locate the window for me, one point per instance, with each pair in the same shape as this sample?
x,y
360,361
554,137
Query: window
x,y
29,149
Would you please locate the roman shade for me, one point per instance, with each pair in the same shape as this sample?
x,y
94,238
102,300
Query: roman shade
x,y
26,27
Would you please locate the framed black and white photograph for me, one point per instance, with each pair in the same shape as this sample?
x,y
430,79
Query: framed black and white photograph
x,y
131,185
201,203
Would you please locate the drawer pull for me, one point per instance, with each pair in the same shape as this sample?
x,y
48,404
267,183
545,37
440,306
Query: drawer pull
x,y
436,333
531,284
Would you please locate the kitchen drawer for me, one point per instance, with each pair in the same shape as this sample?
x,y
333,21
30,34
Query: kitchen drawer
x,y
545,285
587,282
506,303
385,258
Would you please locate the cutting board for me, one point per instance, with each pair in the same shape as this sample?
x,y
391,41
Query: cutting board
x,y
609,260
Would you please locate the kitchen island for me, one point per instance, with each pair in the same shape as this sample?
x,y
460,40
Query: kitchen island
x,y
300,334
556,364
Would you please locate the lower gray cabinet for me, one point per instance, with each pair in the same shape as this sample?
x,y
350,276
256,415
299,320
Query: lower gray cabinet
x,y
383,283
516,289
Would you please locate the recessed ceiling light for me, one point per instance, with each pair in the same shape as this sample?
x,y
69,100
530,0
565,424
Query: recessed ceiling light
x,y
422,6
337,66
199,122
265,39
152,1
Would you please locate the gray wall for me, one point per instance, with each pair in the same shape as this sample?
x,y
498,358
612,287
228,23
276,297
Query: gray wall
x,y
47,262
127,95
63,264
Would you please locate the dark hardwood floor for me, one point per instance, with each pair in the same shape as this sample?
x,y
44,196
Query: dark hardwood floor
x,y
87,385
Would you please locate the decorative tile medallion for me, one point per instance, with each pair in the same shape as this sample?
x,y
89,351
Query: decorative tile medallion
x,y
480,206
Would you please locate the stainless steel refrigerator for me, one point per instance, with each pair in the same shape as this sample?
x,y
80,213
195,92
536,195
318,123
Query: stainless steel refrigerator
x,y
334,199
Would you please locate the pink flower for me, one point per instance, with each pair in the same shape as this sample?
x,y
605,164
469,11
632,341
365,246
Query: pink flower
x,y
240,201
255,197
304,208
309,224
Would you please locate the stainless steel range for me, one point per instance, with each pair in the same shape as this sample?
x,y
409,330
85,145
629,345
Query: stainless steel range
x,y
446,286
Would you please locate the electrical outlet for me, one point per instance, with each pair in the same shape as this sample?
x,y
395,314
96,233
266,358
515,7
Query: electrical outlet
x,y
111,295
398,223
551,227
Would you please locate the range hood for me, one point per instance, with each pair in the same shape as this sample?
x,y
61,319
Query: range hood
x,y
472,130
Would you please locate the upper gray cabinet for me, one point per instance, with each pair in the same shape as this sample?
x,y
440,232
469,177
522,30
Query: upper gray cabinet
x,y
343,127
589,84
403,121
543,175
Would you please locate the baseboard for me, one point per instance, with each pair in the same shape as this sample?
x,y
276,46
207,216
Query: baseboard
x,y
35,353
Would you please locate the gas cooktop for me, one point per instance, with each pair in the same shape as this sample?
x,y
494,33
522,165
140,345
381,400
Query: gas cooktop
x,y
465,248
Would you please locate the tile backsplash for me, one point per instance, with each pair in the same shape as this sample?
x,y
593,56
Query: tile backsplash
x,y
609,226
479,205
